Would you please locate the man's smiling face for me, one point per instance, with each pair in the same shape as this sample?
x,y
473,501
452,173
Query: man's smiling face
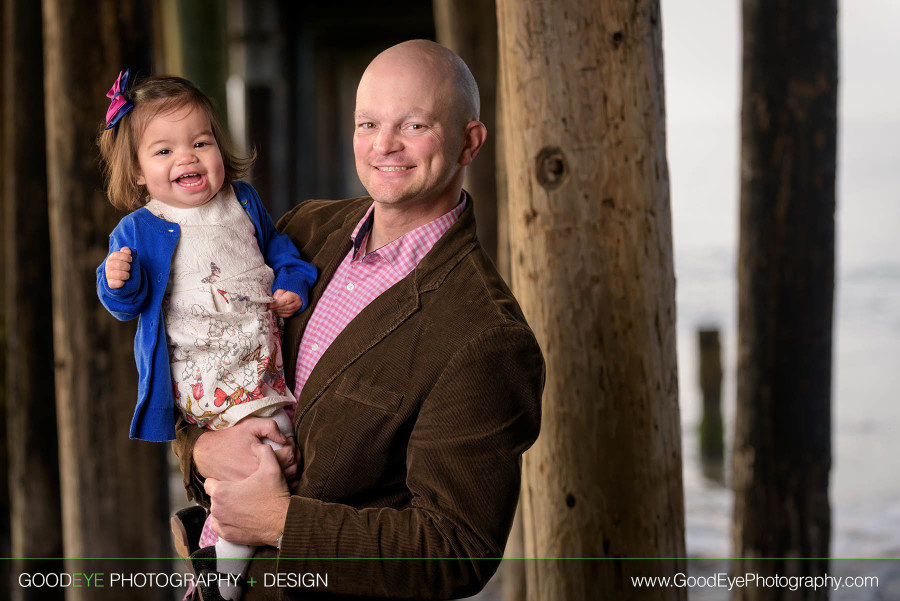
x,y
406,142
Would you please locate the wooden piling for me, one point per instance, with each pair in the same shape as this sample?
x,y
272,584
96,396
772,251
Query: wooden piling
x,y
711,432
114,499
34,499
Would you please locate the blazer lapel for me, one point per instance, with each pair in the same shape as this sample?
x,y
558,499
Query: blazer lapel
x,y
384,314
380,317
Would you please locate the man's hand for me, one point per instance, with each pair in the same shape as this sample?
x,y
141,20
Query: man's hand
x,y
286,303
118,267
230,454
251,511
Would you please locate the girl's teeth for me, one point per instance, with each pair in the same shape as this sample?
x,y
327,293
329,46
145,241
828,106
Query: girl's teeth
x,y
190,179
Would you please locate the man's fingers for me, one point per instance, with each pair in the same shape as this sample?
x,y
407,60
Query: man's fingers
x,y
267,459
291,472
210,486
215,525
285,455
267,428
270,467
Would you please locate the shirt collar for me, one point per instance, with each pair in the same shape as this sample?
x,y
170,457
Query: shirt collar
x,y
412,246
362,229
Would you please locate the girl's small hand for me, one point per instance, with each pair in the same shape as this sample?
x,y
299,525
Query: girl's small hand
x,y
286,303
118,266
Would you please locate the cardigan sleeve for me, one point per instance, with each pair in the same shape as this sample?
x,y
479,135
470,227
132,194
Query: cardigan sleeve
x,y
464,471
291,272
128,301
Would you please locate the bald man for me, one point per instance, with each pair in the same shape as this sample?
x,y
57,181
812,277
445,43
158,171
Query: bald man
x,y
418,379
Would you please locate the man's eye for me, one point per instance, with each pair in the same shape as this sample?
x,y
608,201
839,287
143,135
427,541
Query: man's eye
x,y
417,126
367,125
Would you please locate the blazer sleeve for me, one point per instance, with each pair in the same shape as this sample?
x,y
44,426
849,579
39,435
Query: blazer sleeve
x,y
464,471
186,435
291,272
128,301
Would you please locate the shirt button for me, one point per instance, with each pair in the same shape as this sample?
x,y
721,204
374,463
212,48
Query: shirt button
x,y
350,286
315,346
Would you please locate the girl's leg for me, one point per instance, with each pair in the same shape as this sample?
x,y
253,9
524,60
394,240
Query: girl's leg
x,y
284,424
233,558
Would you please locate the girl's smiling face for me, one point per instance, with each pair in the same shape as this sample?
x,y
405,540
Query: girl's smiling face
x,y
179,160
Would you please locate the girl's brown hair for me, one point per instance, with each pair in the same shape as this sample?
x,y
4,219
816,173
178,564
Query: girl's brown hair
x,y
118,145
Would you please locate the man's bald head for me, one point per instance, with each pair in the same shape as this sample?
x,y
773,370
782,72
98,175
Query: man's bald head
x,y
416,130
450,75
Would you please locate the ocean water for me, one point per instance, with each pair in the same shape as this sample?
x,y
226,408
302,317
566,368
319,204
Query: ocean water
x,y
865,483
865,479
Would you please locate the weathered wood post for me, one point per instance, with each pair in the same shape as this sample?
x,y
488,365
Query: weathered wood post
x,y
113,489
4,472
712,444
782,447
590,232
36,526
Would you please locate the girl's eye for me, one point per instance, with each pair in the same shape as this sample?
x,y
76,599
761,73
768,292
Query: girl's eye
x,y
201,144
164,151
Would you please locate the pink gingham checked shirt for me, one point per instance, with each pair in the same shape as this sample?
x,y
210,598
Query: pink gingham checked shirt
x,y
359,280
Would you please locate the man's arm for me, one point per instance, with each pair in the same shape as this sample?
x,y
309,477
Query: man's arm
x,y
228,454
463,470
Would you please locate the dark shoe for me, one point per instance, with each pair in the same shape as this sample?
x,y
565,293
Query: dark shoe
x,y
187,525
203,561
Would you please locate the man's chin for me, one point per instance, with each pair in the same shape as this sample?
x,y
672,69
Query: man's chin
x,y
389,196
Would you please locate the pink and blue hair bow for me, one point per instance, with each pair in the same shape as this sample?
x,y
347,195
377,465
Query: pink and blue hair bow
x,y
118,104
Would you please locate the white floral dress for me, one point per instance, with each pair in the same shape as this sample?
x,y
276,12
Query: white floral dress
x,y
224,344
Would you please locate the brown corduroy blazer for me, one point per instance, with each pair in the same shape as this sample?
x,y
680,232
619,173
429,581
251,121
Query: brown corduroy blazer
x,y
411,427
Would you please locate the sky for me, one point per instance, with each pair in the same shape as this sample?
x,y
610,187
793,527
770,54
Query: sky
x,y
702,46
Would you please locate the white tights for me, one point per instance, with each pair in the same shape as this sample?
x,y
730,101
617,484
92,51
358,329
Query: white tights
x,y
230,557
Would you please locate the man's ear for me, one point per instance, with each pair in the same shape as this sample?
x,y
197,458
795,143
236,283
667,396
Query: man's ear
x,y
476,134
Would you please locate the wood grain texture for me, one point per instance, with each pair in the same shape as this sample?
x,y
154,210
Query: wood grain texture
x,y
36,533
782,446
113,489
592,266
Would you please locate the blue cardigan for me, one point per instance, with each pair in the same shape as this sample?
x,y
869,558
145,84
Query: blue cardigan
x,y
152,242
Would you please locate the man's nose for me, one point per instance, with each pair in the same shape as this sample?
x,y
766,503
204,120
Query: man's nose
x,y
387,140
